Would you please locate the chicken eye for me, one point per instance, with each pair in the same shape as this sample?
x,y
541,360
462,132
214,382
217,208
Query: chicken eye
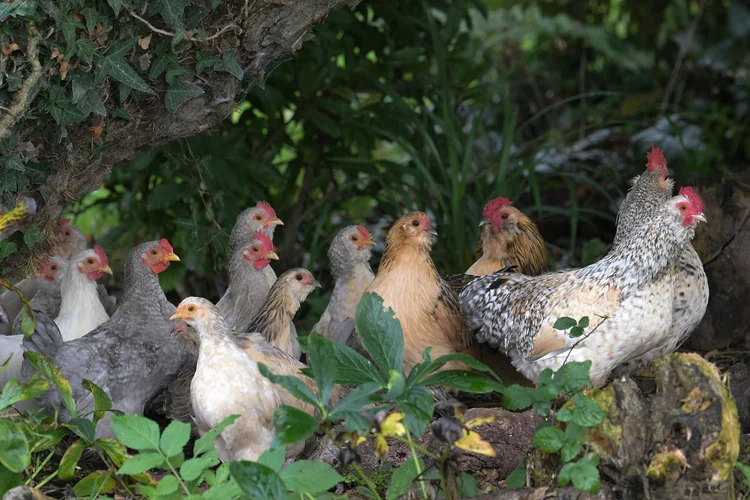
x,y
298,277
154,252
54,268
354,238
191,308
504,216
415,223
258,217
255,249
90,261
67,233
683,207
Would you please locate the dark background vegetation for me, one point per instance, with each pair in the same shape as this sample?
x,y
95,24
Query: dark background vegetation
x,y
441,106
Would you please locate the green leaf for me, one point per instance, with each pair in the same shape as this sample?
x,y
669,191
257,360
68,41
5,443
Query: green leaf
x,y
417,406
465,381
17,9
548,439
320,353
228,64
402,478
574,437
141,463
573,376
27,322
46,368
14,450
745,470
115,450
586,478
324,123
120,48
179,93
117,68
381,333
9,479
575,332
83,428
102,403
584,322
121,113
564,323
172,11
14,391
582,410
468,486
353,368
115,4
206,441
137,432
192,468
70,459
516,397
307,476
175,436
357,400
293,385
7,247
94,484
14,163
273,458
167,485
517,478
257,481
204,61
292,426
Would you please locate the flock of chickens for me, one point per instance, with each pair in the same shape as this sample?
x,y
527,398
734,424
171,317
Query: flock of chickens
x,y
198,362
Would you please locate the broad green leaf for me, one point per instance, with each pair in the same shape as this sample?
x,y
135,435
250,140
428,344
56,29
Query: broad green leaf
x,y
167,485
257,481
65,113
381,333
273,458
324,123
357,399
70,459
402,478
14,391
14,450
575,332
584,322
353,368
574,437
102,403
83,428
179,93
548,439
468,487
174,438
204,61
121,48
745,472
7,247
293,385
417,406
80,86
171,11
27,322
117,68
586,478
8,478
517,478
137,432
421,370
46,368
32,236
115,4
564,323
17,9
465,381
320,353
573,376
141,463
228,64
582,410
516,397
206,441
307,476
192,468
292,425
94,484
115,450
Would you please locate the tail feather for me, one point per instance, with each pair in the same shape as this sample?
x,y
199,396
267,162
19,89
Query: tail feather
x,y
46,338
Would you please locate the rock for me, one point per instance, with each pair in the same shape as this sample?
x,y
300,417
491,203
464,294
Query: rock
x,y
25,493
739,381
680,442
722,245
551,493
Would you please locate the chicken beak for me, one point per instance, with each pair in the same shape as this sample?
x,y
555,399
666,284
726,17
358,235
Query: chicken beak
x,y
275,222
367,243
272,255
105,269
432,232
173,257
316,283
179,314
484,222
700,218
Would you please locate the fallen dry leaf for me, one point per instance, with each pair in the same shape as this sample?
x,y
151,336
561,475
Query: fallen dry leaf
x,y
145,42
11,47
63,69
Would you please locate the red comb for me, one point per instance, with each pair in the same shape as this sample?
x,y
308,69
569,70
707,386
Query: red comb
x,y
364,232
166,246
263,239
656,160
493,206
689,193
102,256
267,208
63,222
44,263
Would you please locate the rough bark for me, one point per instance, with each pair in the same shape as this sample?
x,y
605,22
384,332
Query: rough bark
x,y
270,31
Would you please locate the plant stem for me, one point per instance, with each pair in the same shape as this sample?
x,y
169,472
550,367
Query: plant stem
x,y
366,480
47,479
40,467
182,483
419,447
416,463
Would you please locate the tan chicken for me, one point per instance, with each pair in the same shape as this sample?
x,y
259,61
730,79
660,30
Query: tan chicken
x,y
627,296
422,301
227,381
508,238
349,255
274,320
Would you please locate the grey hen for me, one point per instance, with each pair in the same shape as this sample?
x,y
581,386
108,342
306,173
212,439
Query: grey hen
x,y
132,356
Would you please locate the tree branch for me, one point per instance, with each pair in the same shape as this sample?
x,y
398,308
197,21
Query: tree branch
x,y
21,104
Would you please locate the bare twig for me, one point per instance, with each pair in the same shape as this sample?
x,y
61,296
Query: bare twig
x,y
681,57
192,39
21,104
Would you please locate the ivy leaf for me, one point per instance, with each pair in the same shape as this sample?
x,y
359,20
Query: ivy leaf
x,y
228,64
14,163
7,248
117,68
85,49
120,48
33,236
80,86
172,11
204,61
115,4
564,323
121,113
17,9
179,93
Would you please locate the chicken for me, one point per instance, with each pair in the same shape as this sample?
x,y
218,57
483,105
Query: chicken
x,y
422,301
349,255
627,297
274,320
508,238
42,292
80,312
261,217
227,381
691,284
131,356
248,287
70,240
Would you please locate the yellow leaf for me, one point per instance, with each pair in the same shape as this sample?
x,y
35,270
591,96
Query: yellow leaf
x,y
393,426
476,422
474,443
460,412
381,447
353,438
